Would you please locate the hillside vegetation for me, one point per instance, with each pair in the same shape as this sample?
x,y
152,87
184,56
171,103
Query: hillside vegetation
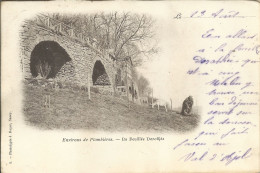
x,y
71,109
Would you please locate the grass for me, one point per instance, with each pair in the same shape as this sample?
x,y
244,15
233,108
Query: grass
x,y
72,110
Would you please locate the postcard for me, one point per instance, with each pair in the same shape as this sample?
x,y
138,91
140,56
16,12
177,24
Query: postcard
x,y
140,86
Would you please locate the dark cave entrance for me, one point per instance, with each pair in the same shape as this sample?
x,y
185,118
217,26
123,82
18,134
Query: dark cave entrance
x,y
47,58
99,76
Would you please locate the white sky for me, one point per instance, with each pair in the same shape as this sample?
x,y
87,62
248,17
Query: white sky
x,y
167,70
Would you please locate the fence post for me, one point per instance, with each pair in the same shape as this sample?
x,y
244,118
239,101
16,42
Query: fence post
x,y
45,101
48,22
152,96
148,95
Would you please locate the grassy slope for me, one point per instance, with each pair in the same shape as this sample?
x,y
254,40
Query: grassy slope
x,y
72,110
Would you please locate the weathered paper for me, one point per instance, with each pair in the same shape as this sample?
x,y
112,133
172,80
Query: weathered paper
x,y
209,50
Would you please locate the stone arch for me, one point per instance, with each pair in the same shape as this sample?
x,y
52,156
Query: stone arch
x,y
99,74
82,56
47,58
107,66
32,36
47,37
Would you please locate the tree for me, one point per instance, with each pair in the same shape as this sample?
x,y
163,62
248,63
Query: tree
x,y
143,85
124,34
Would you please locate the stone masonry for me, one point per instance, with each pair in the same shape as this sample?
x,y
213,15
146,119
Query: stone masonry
x,y
83,54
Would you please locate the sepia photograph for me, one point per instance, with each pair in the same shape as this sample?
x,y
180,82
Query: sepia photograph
x,y
130,86
81,72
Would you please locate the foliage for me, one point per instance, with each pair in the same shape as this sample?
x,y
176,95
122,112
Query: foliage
x,y
123,34
143,86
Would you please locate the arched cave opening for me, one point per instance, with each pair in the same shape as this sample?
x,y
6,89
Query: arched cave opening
x,y
47,58
99,76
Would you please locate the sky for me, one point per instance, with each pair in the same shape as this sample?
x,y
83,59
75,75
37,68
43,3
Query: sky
x,y
166,71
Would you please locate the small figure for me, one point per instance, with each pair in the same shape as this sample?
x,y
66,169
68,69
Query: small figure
x,y
159,103
187,106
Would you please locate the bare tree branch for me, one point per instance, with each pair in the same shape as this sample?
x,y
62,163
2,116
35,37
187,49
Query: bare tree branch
x,y
126,34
